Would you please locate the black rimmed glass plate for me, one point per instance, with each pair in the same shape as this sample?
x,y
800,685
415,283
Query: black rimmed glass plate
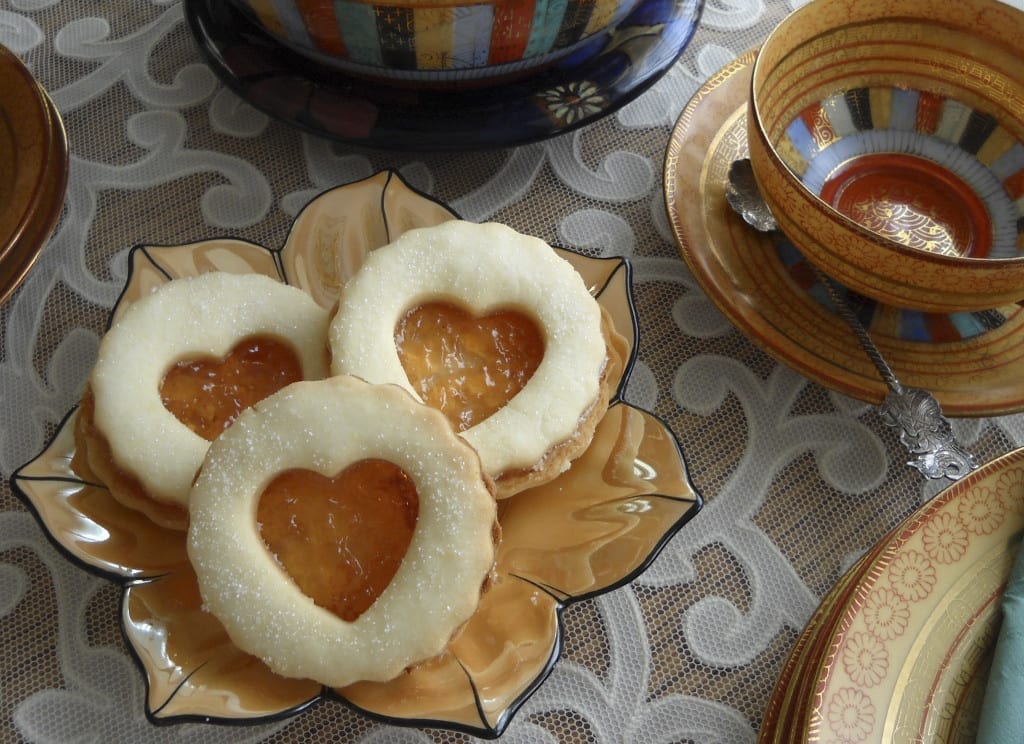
x,y
594,528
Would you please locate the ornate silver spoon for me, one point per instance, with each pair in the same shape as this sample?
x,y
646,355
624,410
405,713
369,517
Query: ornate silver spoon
x,y
924,431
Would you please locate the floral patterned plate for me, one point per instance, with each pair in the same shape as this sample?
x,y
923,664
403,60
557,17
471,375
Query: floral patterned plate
x,y
592,529
902,651
785,704
595,80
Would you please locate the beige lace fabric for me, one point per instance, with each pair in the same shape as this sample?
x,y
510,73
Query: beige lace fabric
x,y
798,481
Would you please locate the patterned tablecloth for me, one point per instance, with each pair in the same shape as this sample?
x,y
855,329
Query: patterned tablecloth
x,y
798,481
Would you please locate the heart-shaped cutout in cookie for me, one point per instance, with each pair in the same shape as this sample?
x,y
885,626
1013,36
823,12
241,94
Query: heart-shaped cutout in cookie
x,y
466,366
208,394
341,539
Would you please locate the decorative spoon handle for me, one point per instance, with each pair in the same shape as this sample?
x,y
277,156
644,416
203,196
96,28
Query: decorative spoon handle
x,y
924,431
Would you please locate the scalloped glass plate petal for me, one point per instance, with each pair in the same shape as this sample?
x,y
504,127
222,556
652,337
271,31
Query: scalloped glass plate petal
x,y
593,529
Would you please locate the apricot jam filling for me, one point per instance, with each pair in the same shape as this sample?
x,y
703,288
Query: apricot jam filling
x,y
465,366
340,539
208,394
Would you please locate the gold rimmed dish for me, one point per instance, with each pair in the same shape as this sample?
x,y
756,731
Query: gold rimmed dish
x,y
34,161
970,361
899,649
787,708
889,140
907,656
594,528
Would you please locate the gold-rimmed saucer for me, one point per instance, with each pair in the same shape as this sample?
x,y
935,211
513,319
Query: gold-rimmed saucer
x,y
754,281
34,159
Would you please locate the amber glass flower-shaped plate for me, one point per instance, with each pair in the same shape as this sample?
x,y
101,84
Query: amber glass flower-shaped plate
x,y
594,528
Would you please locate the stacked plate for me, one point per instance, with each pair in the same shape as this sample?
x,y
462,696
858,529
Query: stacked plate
x,y
34,164
900,649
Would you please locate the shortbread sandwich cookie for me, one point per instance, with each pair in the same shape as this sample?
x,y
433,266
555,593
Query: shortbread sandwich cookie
x,y
486,269
204,348
322,432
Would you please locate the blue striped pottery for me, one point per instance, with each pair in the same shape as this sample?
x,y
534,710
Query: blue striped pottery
x,y
435,40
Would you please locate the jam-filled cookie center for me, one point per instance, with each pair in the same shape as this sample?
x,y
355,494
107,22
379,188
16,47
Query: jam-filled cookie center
x,y
208,394
340,539
467,366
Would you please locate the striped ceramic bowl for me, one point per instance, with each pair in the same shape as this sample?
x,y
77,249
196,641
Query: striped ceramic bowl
x,y
888,138
435,40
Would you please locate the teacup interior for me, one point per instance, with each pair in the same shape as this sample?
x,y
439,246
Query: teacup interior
x,y
921,169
